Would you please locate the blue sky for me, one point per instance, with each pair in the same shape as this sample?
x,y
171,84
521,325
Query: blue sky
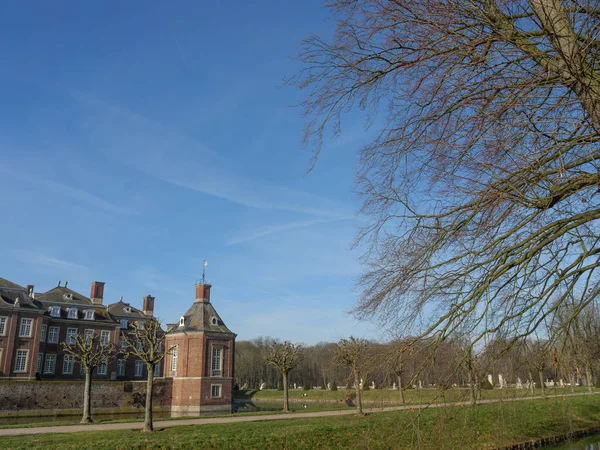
x,y
140,138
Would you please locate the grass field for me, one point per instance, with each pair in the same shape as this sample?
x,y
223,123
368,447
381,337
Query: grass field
x,y
484,426
412,396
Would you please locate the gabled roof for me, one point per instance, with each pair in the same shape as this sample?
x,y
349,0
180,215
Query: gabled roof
x,y
60,294
17,299
4,283
122,309
12,295
200,317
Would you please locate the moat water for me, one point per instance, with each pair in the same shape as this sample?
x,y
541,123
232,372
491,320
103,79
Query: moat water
x,y
99,418
588,443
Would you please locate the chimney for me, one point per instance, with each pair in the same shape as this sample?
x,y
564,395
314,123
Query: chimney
x,y
97,292
203,292
148,305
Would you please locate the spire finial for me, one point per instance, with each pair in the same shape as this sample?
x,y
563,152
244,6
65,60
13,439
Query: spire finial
x,y
204,272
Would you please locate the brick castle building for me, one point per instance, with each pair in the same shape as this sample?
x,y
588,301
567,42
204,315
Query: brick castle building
x,y
202,359
33,326
199,364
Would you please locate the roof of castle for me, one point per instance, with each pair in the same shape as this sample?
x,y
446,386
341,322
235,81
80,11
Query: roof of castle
x,y
201,316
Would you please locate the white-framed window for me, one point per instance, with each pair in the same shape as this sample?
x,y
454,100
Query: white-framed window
x,y
182,321
40,360
55,311
215,390
174,361
157,370
43,335
68,365
138,346
71,333
88,334
120,367
102,368
124,323
50,365
3,321
72,313
25,329
139,368
217,361
53,335
122,343
89,314
105,337
21,361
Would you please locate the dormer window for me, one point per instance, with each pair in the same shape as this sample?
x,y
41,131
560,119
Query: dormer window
x,y
72,313
68,296
55,311
182,321
214,320
124,323
89,314
127,309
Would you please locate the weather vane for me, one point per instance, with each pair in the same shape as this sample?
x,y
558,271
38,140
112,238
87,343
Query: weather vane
x,y
204,272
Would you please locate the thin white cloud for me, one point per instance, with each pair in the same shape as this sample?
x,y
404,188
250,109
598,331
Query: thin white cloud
x,y
273,229
173,157
55,265
66,191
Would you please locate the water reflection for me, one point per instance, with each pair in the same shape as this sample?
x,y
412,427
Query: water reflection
x,y
98,418
589,443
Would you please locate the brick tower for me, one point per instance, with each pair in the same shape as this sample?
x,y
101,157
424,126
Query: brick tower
x,y
201,361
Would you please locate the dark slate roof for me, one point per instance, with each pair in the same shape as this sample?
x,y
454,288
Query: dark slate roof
x,y
4,283
12,295
15,298
60,295
119,310
101,314
199,318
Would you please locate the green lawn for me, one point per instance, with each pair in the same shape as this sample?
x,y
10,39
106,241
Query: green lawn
x,y
414,396
484,426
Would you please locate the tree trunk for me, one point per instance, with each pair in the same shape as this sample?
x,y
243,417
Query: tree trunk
x,y
531,383
286,406
87,397
589,377
359,410
572,382
472,393
401,389
542,384
148,424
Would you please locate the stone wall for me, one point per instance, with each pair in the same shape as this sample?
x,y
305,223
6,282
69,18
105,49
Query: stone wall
x,y
38,397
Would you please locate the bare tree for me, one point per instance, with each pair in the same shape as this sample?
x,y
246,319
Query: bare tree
x,y
481,182
352,353
90,352
145,341
284,356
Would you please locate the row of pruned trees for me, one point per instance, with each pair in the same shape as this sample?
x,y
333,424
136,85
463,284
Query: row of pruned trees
x,y
566,349
144,340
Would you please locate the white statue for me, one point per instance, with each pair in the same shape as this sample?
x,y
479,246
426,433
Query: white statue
x,y
394,386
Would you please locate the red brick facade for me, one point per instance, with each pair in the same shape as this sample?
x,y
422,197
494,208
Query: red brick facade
x,y
33,327
201,360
